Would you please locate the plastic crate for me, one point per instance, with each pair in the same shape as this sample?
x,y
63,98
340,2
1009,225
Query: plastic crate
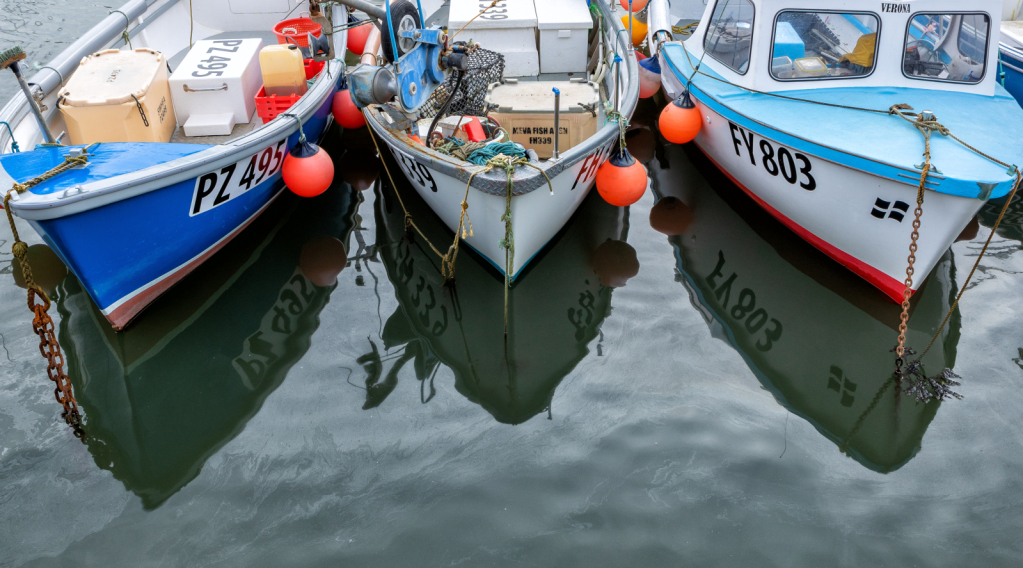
x,y
295,29
269,107
313,68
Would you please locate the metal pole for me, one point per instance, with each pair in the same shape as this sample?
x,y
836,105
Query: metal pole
x,y
557,121
632,46
618,80
32,104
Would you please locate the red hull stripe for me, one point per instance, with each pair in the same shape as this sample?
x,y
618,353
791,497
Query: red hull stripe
x,y
890,286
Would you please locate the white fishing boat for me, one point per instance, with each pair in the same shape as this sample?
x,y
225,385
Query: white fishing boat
x,y
804,105
177,143
558,98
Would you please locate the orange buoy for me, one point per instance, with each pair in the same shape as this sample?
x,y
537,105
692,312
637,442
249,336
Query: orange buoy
x,y
681,120
638,29
642,143
649,77
621,180
322,259
615,262
637,5
357,38
671,216
345,112
308,171
359,169
415,138
48,270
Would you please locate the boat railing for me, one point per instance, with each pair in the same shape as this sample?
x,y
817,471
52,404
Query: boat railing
x,y
528,179
101,36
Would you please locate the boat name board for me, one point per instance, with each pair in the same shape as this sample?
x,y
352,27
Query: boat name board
x,y
255,169
415,171
895,8
782,161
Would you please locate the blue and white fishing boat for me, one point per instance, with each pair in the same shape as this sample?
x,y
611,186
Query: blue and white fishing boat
x,y
139,216
797,97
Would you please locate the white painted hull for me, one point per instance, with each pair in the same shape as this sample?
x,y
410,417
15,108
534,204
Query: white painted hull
x,y
840,214
536,216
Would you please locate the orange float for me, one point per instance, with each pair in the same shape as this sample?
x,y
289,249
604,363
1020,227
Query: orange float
x,y
345,112
638,29
308,171
357,37
621,180
637,5
681,121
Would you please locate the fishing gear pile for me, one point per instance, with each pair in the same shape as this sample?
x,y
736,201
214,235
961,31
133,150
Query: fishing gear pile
x,y
485,67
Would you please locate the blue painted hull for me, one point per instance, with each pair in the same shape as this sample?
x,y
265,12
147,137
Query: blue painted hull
x,y
1011,69
129,252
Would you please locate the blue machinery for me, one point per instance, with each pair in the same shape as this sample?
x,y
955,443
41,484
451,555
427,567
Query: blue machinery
x,y
415,71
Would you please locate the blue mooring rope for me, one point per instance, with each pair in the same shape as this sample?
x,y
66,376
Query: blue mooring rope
x,y
483,155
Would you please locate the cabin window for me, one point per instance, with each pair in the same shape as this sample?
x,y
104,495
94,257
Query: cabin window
x,y
824,45
947,47
729,37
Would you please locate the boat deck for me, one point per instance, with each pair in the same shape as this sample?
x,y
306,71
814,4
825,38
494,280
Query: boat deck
x,y
878,137
240,129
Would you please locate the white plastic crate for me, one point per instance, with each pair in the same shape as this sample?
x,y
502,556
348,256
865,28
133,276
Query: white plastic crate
x,y
214,87
564,28
509,28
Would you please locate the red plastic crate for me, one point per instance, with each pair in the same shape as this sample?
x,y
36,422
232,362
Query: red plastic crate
x,y
313,68
269,107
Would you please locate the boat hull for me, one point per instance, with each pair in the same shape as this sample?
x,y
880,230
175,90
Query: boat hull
x,y
536,216
1011,65
861,220
127,253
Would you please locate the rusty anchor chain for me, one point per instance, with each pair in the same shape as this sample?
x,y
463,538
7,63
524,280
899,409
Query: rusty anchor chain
x,y
39,304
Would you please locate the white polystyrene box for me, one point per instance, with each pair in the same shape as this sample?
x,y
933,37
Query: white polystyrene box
x,y
509,28
217,82
564,28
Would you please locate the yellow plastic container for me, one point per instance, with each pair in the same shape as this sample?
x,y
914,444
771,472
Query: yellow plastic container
x,y
119,96
283,70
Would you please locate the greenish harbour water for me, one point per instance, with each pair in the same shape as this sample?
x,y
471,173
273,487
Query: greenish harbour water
x,y
718,397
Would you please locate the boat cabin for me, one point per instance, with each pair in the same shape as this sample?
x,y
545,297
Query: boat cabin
x,y
783,45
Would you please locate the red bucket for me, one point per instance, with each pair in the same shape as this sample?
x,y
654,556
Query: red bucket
x,y
296,29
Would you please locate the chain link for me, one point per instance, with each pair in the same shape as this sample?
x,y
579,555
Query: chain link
x,y
926,127
39,305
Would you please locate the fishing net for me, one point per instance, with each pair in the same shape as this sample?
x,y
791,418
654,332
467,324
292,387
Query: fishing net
x,y
485,67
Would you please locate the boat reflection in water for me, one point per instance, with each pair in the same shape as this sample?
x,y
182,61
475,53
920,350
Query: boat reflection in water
x,y
1011,226
184,379
816,337
554,311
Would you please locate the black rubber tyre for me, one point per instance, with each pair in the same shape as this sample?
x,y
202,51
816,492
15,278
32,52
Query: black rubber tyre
x,y
404,16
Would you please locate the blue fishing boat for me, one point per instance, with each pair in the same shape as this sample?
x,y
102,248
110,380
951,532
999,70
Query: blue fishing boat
x,y
156,190
1010,52
821,115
